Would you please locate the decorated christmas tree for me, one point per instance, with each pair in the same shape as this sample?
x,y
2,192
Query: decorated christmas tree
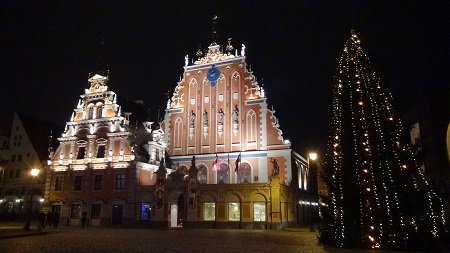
x,y
377,194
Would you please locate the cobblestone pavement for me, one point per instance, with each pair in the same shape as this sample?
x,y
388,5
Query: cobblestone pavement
x,y
117,240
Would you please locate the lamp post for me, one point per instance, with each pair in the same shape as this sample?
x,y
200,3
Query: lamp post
x,y
311,157
34,173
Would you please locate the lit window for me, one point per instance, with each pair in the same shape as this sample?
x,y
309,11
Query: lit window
x,y
259,211
234,213
145,211
209,211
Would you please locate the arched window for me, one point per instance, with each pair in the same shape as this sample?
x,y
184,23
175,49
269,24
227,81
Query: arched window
x,y
244,173
183,171
251,126
178,132
223,174
302,176
90,111
99,106
202,175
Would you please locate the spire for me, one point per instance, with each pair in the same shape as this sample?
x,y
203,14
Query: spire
x,y
214,30
101,68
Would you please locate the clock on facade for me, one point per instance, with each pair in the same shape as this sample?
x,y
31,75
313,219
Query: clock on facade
x,y
213,75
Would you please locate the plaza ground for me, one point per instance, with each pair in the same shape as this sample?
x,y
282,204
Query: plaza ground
x,y
114,239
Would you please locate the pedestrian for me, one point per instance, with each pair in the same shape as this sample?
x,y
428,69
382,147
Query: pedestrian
x,y
42,219
83,219
49,219
55,220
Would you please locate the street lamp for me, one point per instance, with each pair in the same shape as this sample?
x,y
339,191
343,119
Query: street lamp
x,y
34,174
312,186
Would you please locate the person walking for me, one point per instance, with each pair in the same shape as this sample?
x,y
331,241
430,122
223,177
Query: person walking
x,y
55,220
83,219
49,219
42,220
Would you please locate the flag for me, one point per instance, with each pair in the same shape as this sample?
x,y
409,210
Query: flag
x,y
238,161
214,164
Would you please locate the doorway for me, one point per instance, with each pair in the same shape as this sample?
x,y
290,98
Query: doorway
x,y
177,212
117,214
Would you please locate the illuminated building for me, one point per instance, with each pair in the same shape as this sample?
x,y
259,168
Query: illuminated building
x,y
242,176
228,165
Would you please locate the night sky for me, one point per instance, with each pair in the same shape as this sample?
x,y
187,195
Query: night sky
x,y
48,50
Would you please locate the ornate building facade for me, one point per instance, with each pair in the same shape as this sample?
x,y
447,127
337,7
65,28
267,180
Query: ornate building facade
x,y
226,142
217,160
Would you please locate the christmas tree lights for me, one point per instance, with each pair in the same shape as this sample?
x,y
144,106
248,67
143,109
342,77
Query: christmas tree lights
x,y
377,193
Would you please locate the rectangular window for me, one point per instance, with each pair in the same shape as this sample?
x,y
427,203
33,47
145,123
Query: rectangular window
x,y
58,183
98,182
77,182
101,151
19,157
17,173
75,211
145,211
13,158
96,211
234,213
259,211
209,211
11,173
120,182
81,152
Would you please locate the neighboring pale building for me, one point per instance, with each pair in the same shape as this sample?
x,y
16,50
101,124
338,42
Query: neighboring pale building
x,y
28,143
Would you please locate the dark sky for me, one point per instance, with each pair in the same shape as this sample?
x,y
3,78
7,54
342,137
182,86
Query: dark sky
x,y
48,50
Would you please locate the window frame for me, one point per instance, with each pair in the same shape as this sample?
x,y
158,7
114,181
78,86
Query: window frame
x,y
98,184
77,184
119,181
231,207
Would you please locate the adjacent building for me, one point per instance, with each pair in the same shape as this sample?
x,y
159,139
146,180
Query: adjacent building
x,y
23,148
429,130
